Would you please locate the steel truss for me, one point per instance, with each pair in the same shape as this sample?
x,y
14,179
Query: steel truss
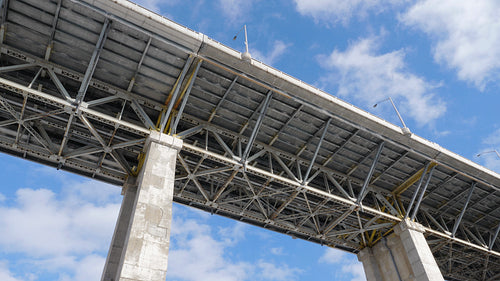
x,y
87,99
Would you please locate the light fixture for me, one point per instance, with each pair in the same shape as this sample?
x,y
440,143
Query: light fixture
x,y
406,131
246,55
491,151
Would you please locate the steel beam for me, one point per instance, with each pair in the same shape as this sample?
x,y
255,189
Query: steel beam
x,y
417,189
290,119
50,43
165,115
20,89
457,222
362,193
93,61
494,238
214,110
138,68
143,116
325,130
185,96
256,128
422,193
17,67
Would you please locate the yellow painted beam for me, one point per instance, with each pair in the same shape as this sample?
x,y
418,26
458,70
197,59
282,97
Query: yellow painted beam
x,y
410,181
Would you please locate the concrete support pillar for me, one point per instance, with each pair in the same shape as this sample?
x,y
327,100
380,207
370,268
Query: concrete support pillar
x,y
139,250
404,255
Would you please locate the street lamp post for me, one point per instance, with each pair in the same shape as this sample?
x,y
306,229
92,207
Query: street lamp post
x,y
405,130
491,151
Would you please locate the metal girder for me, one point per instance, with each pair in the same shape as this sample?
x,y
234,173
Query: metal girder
x,y
22,90
286,181
313,160
138,68
28,127
317,192
290,119
172,97
411,180
185,95
493,240
457,222
386,203
336,222
17,67
226,184
85,81
339,187
93,61
362,193
214,110
256,128
59,85
417,189
115,93
444,230
193,178
388,167
5,7
143,116
422,193
50,43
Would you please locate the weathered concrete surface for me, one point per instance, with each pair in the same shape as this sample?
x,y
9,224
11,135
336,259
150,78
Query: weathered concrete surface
x,y
121,230
139,250
404,255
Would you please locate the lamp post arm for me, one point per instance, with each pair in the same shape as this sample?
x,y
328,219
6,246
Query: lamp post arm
x,y
397,112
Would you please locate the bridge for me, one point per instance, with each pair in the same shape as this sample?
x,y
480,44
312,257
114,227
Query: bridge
x,y
111,91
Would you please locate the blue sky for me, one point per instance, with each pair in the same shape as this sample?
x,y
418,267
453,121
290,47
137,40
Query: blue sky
x,y
437,59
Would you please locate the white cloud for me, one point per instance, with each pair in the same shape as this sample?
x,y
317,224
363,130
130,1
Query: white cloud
x,y
493,139
467,35
236,11
42,225
5,274
278,49
352,268
197,255
332,256
61,233
88,268
277,251
2,198
271,271
340,11
356,270
200,252
360,73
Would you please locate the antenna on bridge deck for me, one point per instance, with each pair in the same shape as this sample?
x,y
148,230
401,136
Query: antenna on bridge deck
x,y
406,130
246,55
491,151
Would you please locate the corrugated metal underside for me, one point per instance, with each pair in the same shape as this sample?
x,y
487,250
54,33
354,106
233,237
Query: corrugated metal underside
x,y
82,84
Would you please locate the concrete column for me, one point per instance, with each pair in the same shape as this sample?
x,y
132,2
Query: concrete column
x,y
370,265
404,255
139,250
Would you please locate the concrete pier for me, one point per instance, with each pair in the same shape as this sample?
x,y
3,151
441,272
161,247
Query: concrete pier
x,y
404,255
139,249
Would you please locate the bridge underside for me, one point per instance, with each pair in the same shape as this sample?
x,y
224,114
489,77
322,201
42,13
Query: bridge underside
x,y
83,83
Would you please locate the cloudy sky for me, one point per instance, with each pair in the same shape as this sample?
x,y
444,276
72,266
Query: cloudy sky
x,y
437,59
